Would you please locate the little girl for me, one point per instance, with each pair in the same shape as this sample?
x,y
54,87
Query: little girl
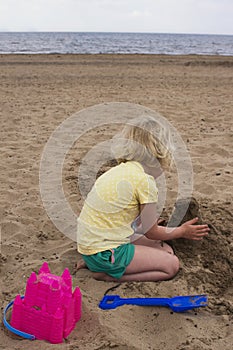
x,y
122,194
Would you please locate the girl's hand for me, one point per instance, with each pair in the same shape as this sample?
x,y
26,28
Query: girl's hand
x,y
195,232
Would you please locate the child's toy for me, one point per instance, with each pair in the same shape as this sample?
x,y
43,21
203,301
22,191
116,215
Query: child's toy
x,y
177,304
49,309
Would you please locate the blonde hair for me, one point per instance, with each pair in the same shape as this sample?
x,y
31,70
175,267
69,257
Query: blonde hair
x,y
145,140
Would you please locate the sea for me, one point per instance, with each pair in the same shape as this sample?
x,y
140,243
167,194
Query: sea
x,y
114,43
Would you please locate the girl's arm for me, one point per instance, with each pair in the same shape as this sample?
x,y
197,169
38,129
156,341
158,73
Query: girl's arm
x,y
152,231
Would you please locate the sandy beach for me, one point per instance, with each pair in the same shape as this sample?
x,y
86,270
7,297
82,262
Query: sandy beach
x,y
38,93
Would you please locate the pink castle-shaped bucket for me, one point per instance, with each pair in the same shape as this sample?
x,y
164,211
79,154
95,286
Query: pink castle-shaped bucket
x,y
49,309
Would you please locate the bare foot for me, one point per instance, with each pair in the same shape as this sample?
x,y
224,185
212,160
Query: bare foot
x,y
80,265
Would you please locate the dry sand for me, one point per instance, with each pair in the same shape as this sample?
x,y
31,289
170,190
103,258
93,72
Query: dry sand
x,y
37,93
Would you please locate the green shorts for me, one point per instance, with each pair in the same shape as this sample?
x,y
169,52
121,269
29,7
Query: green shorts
x,y
113,262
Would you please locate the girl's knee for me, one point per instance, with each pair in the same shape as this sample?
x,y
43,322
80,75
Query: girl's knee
x,y
168,248
174,266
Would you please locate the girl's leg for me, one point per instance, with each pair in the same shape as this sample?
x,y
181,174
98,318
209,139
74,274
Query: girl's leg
x,y
143,240
148,264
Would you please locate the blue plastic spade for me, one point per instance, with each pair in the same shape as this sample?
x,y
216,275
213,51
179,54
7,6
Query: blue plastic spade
x,y
177,304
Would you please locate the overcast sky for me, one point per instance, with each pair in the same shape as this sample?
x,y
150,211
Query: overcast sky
x,y
162,16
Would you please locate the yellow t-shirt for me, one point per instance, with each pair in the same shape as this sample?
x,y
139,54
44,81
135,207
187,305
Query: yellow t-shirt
x,y
112,205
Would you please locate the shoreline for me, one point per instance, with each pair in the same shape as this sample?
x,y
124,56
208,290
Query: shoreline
x,y
214,60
